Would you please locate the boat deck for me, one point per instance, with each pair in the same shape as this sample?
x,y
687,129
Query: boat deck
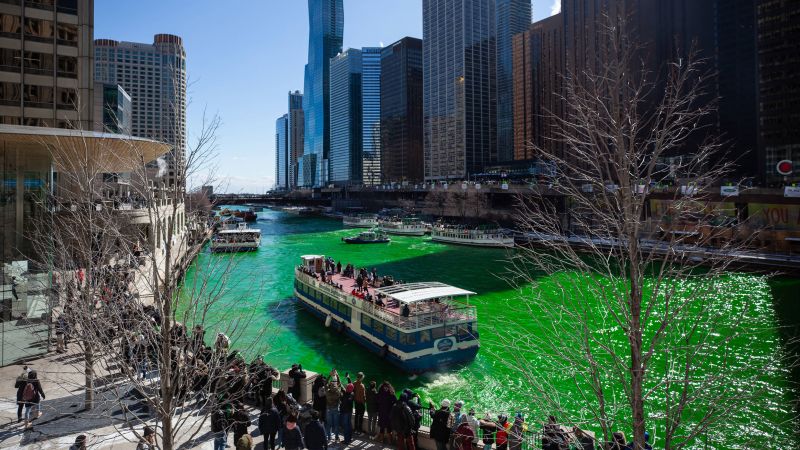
x,y
349,284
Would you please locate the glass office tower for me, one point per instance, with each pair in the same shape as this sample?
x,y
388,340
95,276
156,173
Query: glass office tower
x,y
325,35
401,111
459,87
371,115
296,135
346,118
282,153
512,17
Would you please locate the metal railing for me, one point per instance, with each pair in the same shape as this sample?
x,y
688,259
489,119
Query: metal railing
x,y
453,314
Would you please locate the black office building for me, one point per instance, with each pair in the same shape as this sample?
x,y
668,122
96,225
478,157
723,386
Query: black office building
x,y
401,111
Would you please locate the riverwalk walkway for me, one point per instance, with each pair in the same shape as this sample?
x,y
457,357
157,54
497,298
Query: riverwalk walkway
x,y
63,419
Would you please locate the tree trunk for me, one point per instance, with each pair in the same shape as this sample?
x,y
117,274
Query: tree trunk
x,y
88,363
635,337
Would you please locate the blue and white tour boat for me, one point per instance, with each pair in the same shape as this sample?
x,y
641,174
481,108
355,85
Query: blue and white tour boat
x,y
418,327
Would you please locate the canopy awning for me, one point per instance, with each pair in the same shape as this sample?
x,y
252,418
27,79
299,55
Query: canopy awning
x,y
110,152
418,292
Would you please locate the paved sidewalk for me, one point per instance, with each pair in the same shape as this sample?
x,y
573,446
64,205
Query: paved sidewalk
x,y
63,418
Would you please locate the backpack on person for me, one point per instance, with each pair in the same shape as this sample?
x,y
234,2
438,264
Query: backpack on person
x,y
29,393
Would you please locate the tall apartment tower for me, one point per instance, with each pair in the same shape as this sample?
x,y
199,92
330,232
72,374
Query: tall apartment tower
x,y
282,153
459,87
371,116
346,118
295,135
325,37
401,112
154,75
779,92
538,69
46,63
512,17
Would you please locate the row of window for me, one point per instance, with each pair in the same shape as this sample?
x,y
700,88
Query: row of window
x,y
34,122
38,63
37,96
39,29
330,303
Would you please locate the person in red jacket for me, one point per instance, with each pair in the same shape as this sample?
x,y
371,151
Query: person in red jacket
x,y
501,436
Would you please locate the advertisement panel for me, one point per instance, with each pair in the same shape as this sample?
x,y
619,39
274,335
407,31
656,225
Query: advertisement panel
x,y
775,217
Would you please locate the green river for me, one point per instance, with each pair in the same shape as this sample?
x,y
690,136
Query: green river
x,y
257,301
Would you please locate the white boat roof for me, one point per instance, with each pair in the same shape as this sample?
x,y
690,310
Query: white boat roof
x,y
418,292
241,231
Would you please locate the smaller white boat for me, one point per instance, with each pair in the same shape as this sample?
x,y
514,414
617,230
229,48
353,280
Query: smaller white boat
x,y
376,236
238,239
479,237
360,221
408,226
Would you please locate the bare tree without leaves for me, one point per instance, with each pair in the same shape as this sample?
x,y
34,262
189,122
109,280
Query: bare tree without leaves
x,y
118,260
636,324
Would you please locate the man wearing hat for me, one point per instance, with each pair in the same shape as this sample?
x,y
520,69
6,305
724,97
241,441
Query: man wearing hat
x,y
148,441
440,426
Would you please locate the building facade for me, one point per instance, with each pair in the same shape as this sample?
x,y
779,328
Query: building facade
x,y
401,112
538,69
112,109
295,135
155,77
459,87
371,116
778,90
46,63
282,153
512,17
346,118
325,37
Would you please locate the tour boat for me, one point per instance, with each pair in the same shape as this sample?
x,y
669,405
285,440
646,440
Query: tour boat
x,y
249,215
238,239
408,226
360,221
374,236
476,237
418,327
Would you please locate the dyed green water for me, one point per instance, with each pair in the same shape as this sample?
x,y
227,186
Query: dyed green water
x,y
261,290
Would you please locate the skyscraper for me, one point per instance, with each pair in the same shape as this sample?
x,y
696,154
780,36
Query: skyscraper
x,y
512,17
325,36
538,68
459,88
282,153
401,111
779,92
346,118
154,75
296,135
112,109
47,63
371,115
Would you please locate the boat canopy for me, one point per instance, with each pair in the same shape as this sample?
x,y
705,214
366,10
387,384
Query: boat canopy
x,y
419,292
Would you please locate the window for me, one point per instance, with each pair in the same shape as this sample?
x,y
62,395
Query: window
x,y
10,60
391,333
38,96
424,336
38,30
68,66
67,98
437,333
366,321
39,63
408,338
10,25
67,34
9,93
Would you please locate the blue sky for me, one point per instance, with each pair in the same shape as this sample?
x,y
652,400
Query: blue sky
x,y
244,56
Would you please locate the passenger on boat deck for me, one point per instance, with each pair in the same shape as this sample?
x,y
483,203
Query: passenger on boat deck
x,y
338,267
406,310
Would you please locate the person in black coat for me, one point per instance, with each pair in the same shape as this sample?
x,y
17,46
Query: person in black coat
x,y
22,380
241,422
34,400
316,438
402,423
269,422
297,374
440,427
292,437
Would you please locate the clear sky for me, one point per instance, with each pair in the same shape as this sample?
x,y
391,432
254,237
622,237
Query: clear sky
x,y
244,56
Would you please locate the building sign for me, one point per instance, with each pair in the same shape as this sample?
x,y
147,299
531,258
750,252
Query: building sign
x,y
791,191
775,217
691,212
784,167
729,191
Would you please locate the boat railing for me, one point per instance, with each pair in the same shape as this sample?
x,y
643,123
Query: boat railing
x,y
450,312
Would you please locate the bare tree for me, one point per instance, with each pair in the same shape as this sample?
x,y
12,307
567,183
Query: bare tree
x,y
118,259
630,315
